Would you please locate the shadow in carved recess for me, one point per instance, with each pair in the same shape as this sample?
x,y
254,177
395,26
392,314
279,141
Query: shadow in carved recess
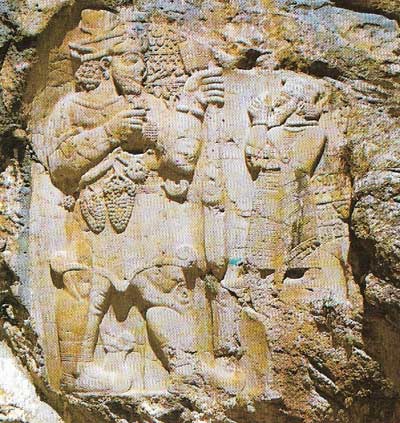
x,y
176,188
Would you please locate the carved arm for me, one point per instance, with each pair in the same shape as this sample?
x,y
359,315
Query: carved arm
x,y
78,150
77,154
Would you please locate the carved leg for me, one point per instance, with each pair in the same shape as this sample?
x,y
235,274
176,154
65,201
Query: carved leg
x,y
98,304
226,310
71,317
178,319
80,307
174,339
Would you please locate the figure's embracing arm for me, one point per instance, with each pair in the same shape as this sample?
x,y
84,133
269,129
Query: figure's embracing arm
x,y
76,150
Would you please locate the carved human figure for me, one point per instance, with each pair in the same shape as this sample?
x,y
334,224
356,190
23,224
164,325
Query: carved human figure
x,y
177,315
110,148
266,164
283,152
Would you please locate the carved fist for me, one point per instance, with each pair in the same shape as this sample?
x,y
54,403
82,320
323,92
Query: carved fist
x,y
212,86
125,123
259,112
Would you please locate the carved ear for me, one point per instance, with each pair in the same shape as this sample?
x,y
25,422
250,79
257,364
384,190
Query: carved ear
x,y
105,63
144,45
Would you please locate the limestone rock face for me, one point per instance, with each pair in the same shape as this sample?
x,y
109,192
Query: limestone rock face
x,y
199,211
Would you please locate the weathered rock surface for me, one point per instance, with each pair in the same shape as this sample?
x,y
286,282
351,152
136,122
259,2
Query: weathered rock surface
x,y
19,400
216,239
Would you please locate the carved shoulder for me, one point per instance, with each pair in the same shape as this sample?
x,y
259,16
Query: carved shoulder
x,y
59,120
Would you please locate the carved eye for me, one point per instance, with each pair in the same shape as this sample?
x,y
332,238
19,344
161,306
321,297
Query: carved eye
x,y
301,108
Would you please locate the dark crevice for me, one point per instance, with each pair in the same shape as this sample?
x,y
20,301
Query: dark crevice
x,y
123,410
248,61
324,370
360,260
11,149
25,44
323,69
295,273
3,52
361,7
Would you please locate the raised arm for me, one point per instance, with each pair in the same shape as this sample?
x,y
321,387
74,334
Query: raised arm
x,y
203,88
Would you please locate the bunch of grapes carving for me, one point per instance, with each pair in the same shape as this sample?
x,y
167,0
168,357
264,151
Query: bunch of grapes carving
x,y
119,194
93,210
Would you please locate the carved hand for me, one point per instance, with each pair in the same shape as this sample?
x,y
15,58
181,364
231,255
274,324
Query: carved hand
x,y
263,156
282,107
259,112
212,86
125,123
208,86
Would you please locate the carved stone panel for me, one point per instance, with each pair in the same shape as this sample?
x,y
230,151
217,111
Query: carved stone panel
x,y
174,196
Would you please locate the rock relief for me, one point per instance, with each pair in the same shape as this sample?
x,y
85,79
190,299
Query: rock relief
x,y
169,189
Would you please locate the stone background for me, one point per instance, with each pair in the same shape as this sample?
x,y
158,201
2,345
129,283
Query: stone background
x,y
340,366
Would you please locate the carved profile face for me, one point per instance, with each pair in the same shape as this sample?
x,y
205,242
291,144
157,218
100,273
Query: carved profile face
x,y
128,71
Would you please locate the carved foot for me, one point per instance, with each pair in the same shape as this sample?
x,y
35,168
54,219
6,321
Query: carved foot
x,y
222,373
112,374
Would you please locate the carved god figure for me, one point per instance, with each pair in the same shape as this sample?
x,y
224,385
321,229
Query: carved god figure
x,y
119,162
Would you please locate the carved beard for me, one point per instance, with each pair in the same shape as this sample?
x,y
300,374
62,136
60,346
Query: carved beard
x,y
89,75
127,84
